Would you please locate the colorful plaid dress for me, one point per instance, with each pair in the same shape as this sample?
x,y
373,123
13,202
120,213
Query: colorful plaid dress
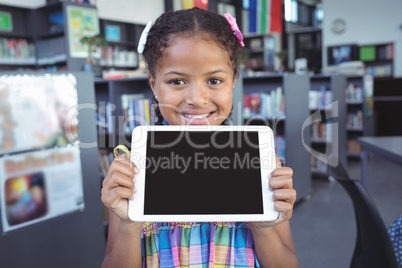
x,y
198,245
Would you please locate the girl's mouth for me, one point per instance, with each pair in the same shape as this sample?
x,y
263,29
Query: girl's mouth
x,y
197,118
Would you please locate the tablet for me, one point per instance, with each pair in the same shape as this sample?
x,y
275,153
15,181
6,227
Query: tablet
x,y
202,174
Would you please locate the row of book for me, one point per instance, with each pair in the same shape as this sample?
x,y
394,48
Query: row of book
x,y
379,70
353,146
385,52
105,157
354,93
254,63
320,130
137,111
318,166
52,50
265,104
117,57
16,51
319,99
355,119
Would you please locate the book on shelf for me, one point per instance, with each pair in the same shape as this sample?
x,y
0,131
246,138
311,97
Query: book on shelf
x,y
104,117
354,94
380,70
318,166
105,157
319,99
137,110
321,130
353,146
117,57
16,51
264,104
355,119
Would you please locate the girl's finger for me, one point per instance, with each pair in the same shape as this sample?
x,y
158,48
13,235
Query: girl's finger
x,y
281,182
112,197
124,167
124,158
287,195
284,207
281,172
118,179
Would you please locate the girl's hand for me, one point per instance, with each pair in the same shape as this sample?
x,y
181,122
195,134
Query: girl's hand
x,y
118,186
284,196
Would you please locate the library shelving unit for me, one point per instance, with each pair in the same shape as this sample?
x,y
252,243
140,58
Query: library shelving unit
x,y
286,117
112,123
359,117
58,30
378,59
48,38
328,121
122,37
261,49
17,48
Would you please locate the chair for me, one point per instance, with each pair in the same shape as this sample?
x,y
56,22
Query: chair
x,y
373,244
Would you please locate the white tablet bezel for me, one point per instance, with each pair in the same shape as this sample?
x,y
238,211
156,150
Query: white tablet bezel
x,y
267,164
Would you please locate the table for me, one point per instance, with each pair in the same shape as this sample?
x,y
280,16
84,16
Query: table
x,y
388,147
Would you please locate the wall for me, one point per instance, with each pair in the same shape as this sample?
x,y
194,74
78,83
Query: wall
x,y
134,11
367,22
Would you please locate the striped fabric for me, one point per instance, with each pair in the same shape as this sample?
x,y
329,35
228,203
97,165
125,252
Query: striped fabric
x,y
198,245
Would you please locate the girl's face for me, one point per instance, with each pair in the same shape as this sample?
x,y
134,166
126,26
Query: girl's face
x,y
194,82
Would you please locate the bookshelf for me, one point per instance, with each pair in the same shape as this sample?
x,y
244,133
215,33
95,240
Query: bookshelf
x,y
378,59
287,122
261,49
123,41
328,121
359,112
46,38
57,34
17,43
114,128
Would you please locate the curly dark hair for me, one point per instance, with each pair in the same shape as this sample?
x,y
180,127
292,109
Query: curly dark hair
x,y
188,23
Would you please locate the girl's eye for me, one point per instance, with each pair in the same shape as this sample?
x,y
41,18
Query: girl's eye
x,y
177,82
214,81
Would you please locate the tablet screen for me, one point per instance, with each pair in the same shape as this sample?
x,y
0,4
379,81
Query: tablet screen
x,y
202,172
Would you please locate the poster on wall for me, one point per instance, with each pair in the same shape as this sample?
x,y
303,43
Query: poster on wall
x,y
81,22
37,112
40,185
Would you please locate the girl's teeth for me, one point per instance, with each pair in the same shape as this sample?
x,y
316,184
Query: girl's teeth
x,y
196,116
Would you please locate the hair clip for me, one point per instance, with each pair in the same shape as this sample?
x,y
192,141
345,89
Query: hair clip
x,y
235,28
143,38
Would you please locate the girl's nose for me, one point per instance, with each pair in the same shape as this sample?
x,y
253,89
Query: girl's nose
x,y
197,95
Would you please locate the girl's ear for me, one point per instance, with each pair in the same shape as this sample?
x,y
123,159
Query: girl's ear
x,y
152,84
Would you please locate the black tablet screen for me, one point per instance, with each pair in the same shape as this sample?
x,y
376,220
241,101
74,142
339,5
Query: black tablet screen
x,y
203,173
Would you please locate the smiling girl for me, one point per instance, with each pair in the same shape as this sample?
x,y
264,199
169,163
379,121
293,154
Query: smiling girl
x,y
191,56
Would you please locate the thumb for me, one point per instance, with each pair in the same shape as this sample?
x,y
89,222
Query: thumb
x,y
124,156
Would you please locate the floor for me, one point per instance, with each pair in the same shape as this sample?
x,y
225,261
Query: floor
x,y
323,224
